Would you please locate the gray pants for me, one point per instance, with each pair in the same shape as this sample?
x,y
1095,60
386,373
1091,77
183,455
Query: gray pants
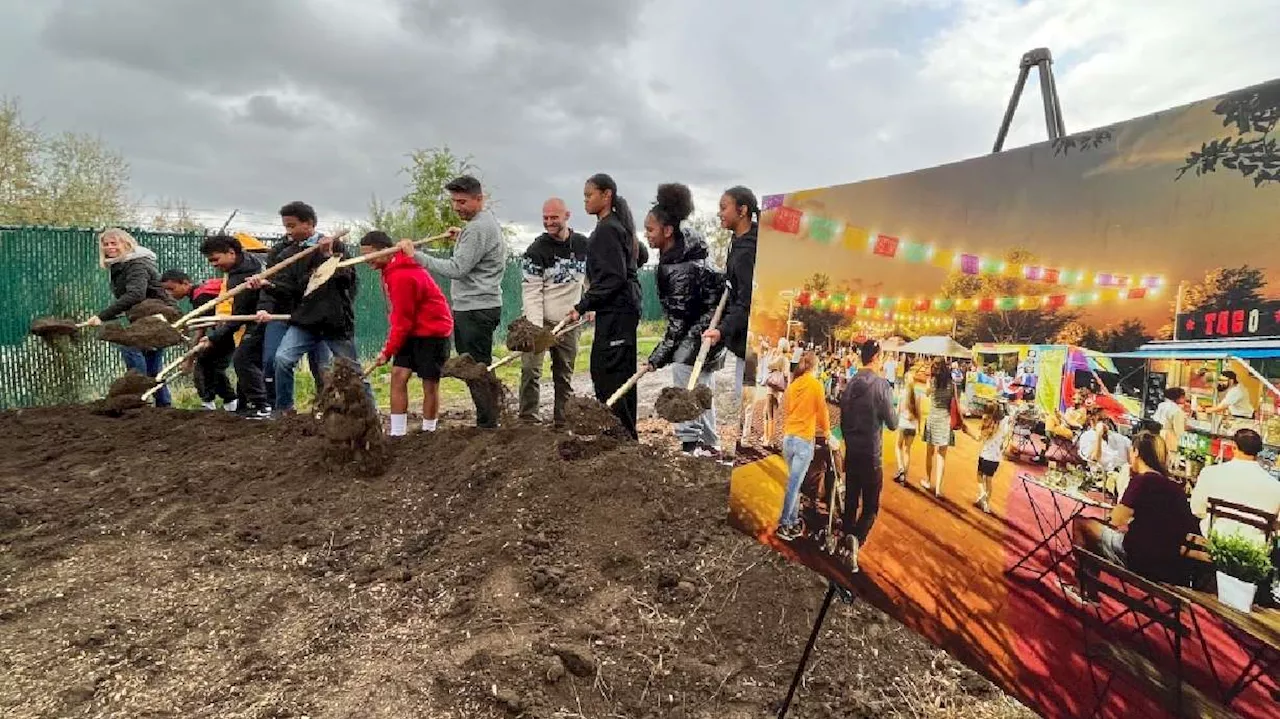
x,y
563,355
702,429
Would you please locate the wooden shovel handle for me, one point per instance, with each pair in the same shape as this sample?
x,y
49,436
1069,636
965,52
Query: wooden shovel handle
x,y
163,376
228,294
613,399
705,349
555,332
388,252
215,319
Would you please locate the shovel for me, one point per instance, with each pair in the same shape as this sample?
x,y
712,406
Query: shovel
x,y
163,376
216,319
705,349
326,270
243,286
555,333
50,327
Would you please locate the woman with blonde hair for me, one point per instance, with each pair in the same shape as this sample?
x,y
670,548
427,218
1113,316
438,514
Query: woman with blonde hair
x,y
134,277
910,411
806,419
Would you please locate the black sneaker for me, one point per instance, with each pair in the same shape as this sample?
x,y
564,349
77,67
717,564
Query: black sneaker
x,y
689,449
258,413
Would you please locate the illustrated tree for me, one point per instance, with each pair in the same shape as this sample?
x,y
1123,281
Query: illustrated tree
x,y
1221,287
818,324
66,179
1028,326
1082,142
1252,149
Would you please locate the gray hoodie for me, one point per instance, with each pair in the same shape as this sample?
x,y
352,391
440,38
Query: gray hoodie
x,y
476,267
866,410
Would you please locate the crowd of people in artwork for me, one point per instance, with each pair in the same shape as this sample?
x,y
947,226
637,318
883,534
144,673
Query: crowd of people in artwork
x,y
568,277
840,400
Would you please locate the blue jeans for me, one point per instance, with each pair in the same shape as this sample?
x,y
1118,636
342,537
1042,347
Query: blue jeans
x,y
319,358
798,454
149,364
296,343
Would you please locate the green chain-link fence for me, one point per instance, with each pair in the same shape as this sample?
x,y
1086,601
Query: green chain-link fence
x,y
54,271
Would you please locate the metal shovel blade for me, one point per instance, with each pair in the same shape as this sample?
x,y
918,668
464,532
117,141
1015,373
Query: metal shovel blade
x,y
322,274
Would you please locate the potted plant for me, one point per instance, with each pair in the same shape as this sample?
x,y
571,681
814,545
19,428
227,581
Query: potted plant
x,y
1242,565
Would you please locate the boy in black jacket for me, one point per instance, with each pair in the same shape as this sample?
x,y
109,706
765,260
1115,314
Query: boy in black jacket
x,y
325,318
234,342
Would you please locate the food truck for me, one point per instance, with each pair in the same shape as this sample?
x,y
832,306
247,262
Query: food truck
x,y
1195,366
1048,377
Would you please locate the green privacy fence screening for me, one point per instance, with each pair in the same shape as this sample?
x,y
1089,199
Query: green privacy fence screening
x,y
54,271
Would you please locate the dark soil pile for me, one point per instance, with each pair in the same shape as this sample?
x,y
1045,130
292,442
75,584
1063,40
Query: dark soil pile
x,y
677,404
147,308
485,386
350,422
124,394
588,417
524,336
52,328
194,564
148,333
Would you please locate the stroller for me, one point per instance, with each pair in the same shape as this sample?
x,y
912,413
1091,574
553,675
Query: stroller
x,y
827,530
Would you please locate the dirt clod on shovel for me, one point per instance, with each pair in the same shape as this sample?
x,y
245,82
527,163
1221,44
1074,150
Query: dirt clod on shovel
x,y
147,308
148,333
349,421
587,417
525,336
125,394
677,404
52,328
485,386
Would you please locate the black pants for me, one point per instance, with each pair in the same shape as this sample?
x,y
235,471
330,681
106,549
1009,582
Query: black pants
x,y
212,366
863,480
473,335
251,386
613,361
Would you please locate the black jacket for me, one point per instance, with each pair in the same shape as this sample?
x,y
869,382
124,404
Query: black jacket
x,y
245,303
689,289
866,410
739,269
330,312
286,288
132,281
612,283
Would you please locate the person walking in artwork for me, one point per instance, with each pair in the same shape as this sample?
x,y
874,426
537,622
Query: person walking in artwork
x,y
553,269
418,338
613,294
135,277
940,425
807,419
689,289
910,412
993,435
866,410
475,271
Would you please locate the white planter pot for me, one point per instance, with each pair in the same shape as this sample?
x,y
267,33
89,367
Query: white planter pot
x,y
1236,593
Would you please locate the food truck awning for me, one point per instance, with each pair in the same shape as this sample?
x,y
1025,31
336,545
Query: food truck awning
x,y
1204,350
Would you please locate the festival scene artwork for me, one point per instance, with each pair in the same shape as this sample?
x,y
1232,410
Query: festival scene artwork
x,y
1027,404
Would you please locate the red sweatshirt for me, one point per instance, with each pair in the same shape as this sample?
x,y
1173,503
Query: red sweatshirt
x,y
418,307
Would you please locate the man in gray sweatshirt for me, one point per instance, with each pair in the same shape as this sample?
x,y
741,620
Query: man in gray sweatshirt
x,y
866,410
475,272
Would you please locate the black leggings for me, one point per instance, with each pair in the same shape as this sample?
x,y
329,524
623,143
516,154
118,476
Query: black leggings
x,y
614,361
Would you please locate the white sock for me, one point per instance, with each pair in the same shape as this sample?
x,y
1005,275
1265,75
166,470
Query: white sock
x,y
399,423
430,425
231,406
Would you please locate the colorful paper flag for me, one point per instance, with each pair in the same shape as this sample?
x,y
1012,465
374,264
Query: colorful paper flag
x,y
970,264
945,259
822,229
787,219
772,202
1050,275
886,246
854,239
915,251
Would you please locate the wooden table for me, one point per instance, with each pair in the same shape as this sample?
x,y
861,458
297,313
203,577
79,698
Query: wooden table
x,y
1257,633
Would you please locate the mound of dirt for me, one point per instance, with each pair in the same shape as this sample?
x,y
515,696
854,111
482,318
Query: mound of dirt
x,y
588,417
147,308
350,422
485,386
677,404
148,333
524,336
196,564
52,328
124,394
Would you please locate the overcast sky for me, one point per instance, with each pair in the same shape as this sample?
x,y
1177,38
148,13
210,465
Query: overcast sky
x,y
251,103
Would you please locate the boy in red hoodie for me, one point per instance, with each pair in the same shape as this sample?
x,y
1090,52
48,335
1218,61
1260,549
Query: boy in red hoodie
x,y
421,324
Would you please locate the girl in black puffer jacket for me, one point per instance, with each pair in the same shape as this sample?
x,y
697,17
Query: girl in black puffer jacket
x,y
689,288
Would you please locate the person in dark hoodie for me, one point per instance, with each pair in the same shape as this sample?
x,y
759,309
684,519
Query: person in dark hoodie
x,y
282,295
739,213
866,410
613,293
689,289
135,277
234,342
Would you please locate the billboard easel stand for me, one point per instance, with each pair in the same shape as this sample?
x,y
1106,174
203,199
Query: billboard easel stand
x,y
833,590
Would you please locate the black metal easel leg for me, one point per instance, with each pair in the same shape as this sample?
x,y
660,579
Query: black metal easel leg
x,y
808,648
